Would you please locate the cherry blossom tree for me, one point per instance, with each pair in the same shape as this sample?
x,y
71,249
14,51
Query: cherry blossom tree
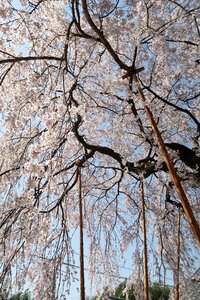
x,y
69,100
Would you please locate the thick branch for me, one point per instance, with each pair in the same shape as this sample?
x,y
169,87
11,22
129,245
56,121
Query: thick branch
x,y
101,149
103,39
146,166
186,155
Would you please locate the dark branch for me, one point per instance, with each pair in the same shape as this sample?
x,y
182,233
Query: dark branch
x,y
94,148
186,155
173,105
30,58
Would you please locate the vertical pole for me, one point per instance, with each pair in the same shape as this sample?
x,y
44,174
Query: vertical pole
x,y
145,261
178,255
82,277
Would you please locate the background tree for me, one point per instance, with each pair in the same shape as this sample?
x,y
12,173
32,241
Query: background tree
x,y
5,295
157,292
20,296
119,291
64,103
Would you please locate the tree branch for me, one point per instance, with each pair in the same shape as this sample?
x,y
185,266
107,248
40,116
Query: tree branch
x,y
30,58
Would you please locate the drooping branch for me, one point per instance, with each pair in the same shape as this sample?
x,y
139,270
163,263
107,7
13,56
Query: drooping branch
x,y
68,188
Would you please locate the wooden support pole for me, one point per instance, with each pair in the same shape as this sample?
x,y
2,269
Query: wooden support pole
x,y
178,255
145,259
174,176
82,276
